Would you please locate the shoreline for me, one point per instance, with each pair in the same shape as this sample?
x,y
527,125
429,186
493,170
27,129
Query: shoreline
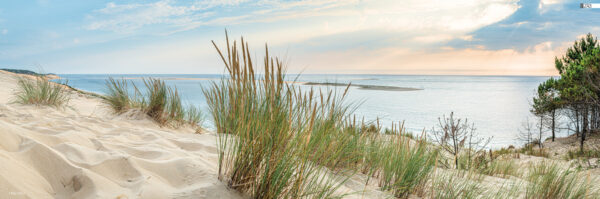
x,y
364,86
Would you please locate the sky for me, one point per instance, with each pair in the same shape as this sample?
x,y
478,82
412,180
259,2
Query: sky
x,y
439,37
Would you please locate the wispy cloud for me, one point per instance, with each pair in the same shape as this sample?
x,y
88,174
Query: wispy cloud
x,y
126,18
455,18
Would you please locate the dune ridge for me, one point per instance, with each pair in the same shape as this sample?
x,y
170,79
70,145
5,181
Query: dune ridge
x,y
84,151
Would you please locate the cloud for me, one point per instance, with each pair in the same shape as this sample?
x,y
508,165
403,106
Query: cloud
x,y
545,5
126,18
4,31
354,28
455,18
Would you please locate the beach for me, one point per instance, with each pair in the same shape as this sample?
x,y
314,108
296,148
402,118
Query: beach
x,y
84,150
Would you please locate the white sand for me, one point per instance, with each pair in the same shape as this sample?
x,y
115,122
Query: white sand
x,y
84,151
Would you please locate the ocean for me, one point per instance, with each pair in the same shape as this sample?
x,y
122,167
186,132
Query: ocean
x,y
497,105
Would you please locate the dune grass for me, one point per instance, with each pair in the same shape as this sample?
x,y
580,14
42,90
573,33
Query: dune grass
x,y
466,184
404,165
278,141
40,91
267,131
451,185
503,168
160,102
118,97
549,181
586,154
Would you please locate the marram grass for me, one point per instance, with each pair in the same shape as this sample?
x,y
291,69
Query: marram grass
x,y
278,141
450,184
160,102
118,97
40,91
269,130
404,165
549,181
503,168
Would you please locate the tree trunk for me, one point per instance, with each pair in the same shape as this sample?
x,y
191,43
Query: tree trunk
x,y
553,123
585,128
577,122
541,127
456,161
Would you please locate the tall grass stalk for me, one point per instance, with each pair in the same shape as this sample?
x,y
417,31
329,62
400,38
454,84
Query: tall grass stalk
x,y
194,116
450,185
462,184
40,91
161,102
501,168
271,134
549,181
118,97
404,164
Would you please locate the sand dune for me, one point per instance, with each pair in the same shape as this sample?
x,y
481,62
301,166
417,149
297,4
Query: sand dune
x,y
84,151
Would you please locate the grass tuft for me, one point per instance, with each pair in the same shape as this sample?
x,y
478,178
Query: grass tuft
x,y
547,180
161,102
502,168
118,97
404,165
272,135
586,154
40,91
278,141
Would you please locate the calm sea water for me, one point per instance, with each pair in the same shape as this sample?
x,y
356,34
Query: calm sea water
x,y
498,105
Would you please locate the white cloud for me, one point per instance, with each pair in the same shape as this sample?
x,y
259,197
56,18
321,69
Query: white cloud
x,y
131,17
545,5
4,31
433,38
455,19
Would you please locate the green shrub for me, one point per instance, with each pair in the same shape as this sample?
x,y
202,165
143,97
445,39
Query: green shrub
x,y
40,91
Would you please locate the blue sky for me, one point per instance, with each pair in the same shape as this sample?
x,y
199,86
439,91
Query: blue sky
x,y
495,37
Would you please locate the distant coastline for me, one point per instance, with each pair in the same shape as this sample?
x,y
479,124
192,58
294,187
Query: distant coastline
x,y
365,87
28,72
